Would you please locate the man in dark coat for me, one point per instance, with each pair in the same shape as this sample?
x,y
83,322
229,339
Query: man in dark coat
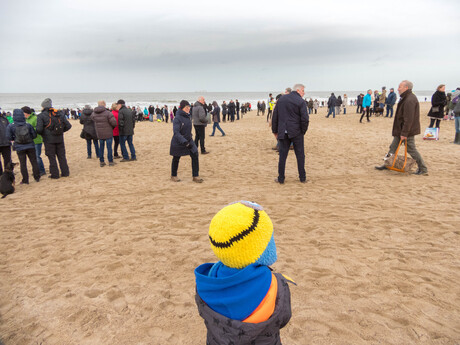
x,y
331,103
200,122
231,110
182,143
289,125
104,122
390,102
237,105
126,123
406,125
89,131
5,144
52,125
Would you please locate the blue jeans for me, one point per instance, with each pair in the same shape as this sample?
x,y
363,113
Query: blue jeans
x,y
389,110
457,124
124,151
38,152
88,147
344,111
216,125
331,110
102,143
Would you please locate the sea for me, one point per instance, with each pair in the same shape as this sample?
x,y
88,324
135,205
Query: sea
x,y
10,101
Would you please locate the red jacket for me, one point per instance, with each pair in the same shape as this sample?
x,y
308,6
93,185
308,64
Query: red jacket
x,y
116,131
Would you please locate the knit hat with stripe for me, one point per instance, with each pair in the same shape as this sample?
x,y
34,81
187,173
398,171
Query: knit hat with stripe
x,y
241,234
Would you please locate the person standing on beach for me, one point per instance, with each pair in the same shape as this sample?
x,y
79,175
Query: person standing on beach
x,y
383,97
271,105
105,123
182,143
224,111
406,126
116,131
89,131
390,102
345,103
126,124
289,125
31,118
263,106
366,106
216,119
199,123
5,144
316,105
438,102
51,125
359,102
331,103
231,110
237,104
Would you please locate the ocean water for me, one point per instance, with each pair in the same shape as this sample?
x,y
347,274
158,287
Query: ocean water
x,y
10,101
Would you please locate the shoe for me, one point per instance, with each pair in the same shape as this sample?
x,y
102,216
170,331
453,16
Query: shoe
x,y
420,172
117,157
223,135
54,178
381,167
133,159
89,157
37,180
211,135
197,179
304,181
102,164
175,179
205,152
42,174
278,181
22,182
64,175
111,164
124,160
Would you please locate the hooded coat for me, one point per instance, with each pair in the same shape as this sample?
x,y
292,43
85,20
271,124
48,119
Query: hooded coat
x,y
43,119
182,135
20,120
104,122
215,112
88,124
438,100
407,118
3,126
32,119
126,121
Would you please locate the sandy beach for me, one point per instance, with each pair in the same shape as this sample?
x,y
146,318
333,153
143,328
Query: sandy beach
x,y
106,256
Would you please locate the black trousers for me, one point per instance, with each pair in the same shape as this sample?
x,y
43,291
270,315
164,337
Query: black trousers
x,y
195,164
269,115
359,108
199,136
432,121
22,156
6,154
299,150
57,150
116,140
365,111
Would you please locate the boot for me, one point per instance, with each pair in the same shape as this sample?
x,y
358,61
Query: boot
x,y
175,179
197,179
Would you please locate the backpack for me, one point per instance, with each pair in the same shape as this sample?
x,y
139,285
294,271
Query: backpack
x,y
22,135
55,126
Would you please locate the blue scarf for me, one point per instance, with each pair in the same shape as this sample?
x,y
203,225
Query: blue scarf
x,y
234,293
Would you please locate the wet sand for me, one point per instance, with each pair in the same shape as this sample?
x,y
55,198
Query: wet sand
x,y
107,255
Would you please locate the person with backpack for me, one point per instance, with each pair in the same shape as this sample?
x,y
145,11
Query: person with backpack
x,y
5,144
51,125
31,118
23,134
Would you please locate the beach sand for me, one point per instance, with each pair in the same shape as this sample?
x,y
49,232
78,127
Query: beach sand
x,y
107,255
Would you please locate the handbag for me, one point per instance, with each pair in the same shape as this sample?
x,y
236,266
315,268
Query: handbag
x,y
400,163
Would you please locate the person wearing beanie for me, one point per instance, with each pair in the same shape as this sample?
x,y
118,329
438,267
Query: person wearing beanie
x,y
240,299
31,118
182,143
51,125
23,134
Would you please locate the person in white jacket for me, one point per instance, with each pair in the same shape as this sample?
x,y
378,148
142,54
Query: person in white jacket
x,y
344,103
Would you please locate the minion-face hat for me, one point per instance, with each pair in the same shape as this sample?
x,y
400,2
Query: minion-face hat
x,y
242,234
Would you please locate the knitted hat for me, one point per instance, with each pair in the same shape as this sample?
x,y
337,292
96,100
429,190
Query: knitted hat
x,y
242,234
46,103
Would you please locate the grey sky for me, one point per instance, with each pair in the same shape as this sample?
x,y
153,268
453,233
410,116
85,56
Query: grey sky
x,y
155,46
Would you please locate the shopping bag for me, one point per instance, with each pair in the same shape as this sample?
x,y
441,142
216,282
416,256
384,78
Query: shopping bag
x,y
431,134
400,163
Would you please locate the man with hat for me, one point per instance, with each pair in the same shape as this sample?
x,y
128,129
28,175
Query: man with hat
x,y
126,123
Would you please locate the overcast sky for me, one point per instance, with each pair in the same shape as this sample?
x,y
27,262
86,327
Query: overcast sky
x,y
239,45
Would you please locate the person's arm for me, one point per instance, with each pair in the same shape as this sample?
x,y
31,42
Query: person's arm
x,y
275,122
121,119
112,119
10,132
177,124
304,118
39,127
32,132
67,125
408,113
202,115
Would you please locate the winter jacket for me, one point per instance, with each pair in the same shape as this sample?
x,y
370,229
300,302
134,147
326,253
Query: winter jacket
x,y
116,130
316,104
345,102
407,118
32,119
216,114
383,96
199,115
290,116
126,121
437,100
20,120
224,109
43,120
104,121
88,124
367,101
231,108
3,125
391,99
332,101
222,330
359,100
182,142
310,104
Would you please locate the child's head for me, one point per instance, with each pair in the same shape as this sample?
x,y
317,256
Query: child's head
x,y
242,234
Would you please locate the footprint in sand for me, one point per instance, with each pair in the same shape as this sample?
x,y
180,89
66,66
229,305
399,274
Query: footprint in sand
x,y
93,293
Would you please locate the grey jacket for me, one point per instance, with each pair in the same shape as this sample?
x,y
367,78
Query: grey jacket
x,y
225,331
199,115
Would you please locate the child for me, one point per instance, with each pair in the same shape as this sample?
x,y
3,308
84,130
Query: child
x,y
239,298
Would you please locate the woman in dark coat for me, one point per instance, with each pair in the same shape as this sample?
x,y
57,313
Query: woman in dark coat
x,y
438,102
89,131
182,143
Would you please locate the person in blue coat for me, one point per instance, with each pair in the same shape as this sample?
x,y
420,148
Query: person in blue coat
x,y
23,134
367,102
390,102
182,143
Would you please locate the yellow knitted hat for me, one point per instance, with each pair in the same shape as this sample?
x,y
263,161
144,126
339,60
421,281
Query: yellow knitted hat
x,y
242,234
